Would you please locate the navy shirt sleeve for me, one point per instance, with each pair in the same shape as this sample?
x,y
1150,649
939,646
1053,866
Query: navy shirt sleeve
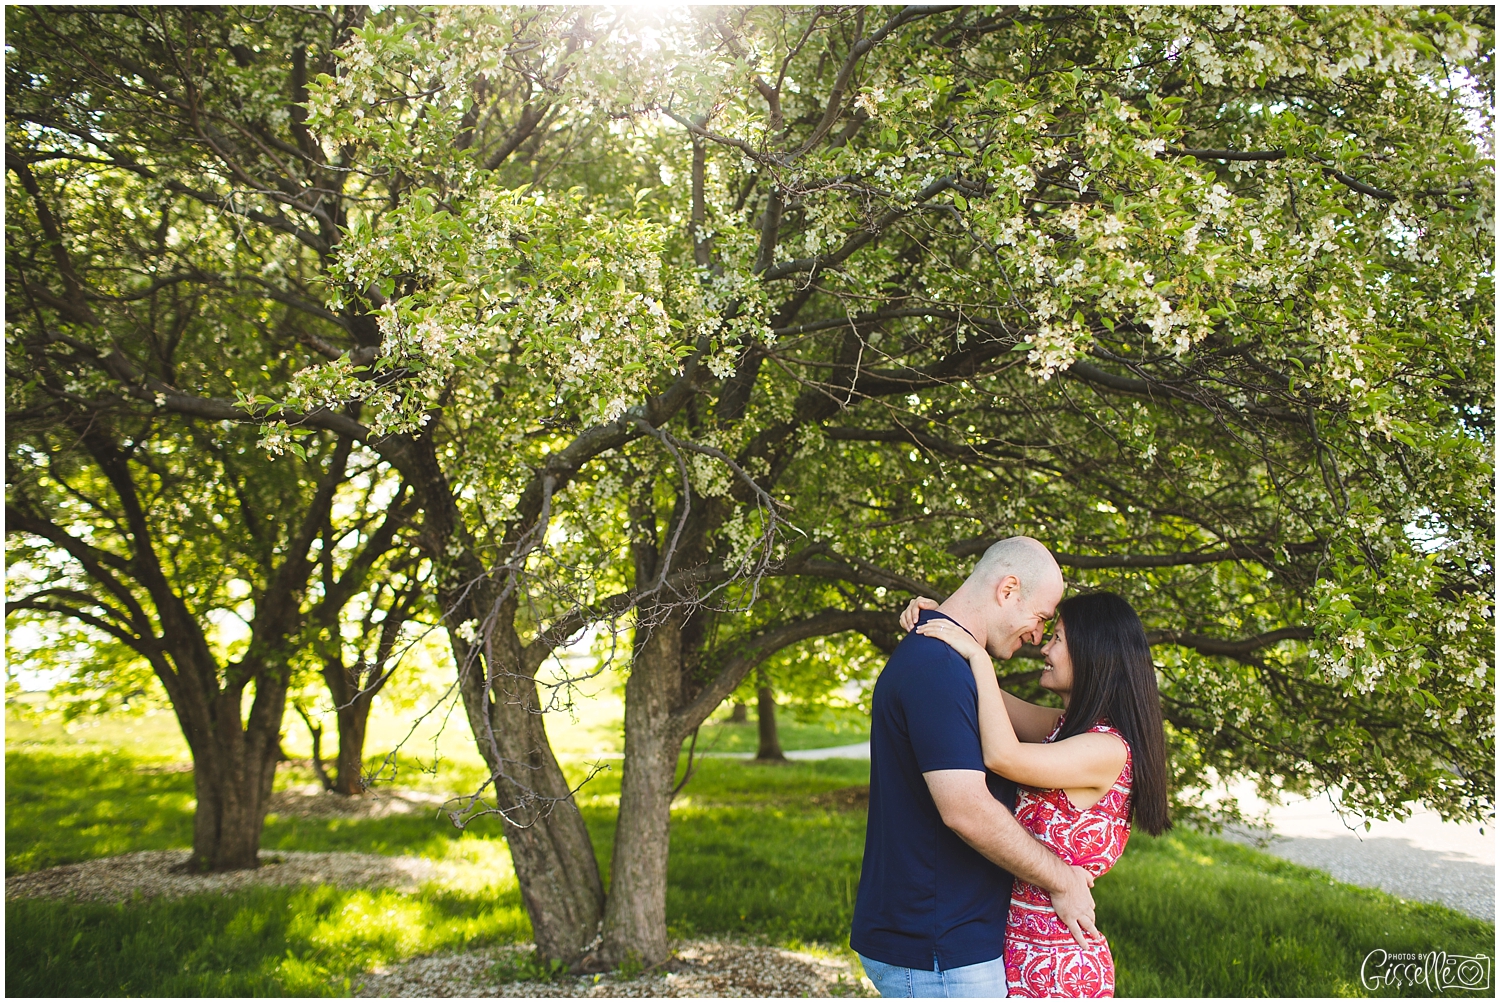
x,y
942,713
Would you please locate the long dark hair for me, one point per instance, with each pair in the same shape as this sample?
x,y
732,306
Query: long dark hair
x,y
1114,681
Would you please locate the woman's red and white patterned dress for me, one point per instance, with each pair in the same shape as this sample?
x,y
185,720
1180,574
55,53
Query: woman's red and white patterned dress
x,y
1041,957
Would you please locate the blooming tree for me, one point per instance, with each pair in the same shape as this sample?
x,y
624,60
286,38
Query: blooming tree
x,y
743,325
1198,296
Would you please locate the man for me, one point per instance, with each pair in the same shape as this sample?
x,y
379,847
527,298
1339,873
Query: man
x,y
940,846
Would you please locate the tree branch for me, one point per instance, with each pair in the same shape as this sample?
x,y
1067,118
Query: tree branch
x,y
1272,155
278,223
525,126
1089,373
857,240
150,390
1241,651
1360,186
75,304
852,569
1239,155
758,648
95,561
42,601
563,464
856,53
1261,553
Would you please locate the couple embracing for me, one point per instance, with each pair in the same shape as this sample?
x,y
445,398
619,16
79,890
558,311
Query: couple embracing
x,y
990,817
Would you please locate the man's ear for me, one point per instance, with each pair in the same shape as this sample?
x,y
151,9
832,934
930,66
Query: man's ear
x,y
1006,588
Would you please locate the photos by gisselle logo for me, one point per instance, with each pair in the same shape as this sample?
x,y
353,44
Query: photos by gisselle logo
x,y
1436,971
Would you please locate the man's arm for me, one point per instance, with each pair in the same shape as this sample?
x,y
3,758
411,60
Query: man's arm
x,y
970,810
1032,722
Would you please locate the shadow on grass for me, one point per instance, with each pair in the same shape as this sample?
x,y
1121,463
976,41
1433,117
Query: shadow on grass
x,y
311,941
64,808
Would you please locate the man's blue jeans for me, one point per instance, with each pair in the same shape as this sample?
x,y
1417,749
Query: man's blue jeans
x,y
986,979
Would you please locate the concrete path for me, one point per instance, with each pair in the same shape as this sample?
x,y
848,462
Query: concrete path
x,y
859,750
1424,858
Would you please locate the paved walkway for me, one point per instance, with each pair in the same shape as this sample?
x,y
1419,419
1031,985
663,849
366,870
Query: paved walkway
x,y
859,750
1423,858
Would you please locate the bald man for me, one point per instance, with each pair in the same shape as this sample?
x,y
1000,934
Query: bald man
x,y
941,845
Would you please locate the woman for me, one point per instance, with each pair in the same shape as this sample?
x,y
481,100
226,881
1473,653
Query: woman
x,y
1085,772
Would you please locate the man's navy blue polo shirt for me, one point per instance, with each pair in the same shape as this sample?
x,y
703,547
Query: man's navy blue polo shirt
x,y
927,899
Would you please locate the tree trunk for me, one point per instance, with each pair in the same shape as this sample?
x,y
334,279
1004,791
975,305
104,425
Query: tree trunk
x,y
635,918
740,714
317,759
770,741
352,699
549,843
316,731
234,769
353,719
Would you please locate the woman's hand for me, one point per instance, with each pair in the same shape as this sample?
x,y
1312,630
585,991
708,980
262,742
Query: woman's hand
x,y
914,609
955,637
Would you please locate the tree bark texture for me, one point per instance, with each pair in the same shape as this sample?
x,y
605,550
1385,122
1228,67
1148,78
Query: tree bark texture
x,y
549,843
234,769
635,921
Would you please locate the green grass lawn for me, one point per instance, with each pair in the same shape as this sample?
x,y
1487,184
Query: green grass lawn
x,y
765,852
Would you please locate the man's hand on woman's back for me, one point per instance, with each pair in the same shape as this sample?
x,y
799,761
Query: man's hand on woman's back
x,y
1075,906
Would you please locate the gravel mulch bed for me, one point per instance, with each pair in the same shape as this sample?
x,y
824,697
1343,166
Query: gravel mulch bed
x,y
697,968
152,873
312,801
